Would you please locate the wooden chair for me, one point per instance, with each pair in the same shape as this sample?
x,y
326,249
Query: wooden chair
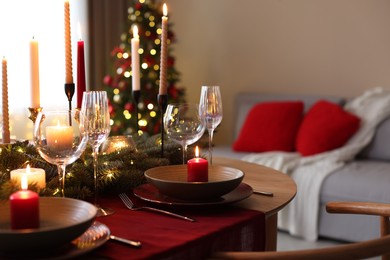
x,y
358,250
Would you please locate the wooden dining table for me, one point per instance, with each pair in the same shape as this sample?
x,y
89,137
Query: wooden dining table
x,y
262,178
246,225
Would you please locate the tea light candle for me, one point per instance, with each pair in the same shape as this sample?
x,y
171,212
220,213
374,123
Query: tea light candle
x,y
34,175
59,138
197,168
117,143
24,206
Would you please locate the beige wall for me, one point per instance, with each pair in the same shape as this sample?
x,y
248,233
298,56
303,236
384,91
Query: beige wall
x,y
332,47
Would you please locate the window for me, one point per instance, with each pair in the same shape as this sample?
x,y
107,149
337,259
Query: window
x,y
20,21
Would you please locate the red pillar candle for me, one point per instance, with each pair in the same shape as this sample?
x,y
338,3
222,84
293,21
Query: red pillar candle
x,y
24,206
197,169
80,73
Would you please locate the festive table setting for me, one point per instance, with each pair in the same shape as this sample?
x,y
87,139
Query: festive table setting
x,y
238,220
74,190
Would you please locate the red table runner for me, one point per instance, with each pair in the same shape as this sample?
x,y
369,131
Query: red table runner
x,y
220,228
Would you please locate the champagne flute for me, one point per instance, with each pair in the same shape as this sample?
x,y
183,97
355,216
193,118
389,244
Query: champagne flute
x,y
59,140
210,109
183,125
96,120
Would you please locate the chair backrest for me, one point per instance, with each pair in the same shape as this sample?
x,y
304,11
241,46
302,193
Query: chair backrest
x,y
358,250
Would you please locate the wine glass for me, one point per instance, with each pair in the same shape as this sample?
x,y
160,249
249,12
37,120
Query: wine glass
x,y
59,139
183,125
210,109
96,121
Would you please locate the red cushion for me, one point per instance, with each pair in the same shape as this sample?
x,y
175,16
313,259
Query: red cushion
x,y
325,127
270,126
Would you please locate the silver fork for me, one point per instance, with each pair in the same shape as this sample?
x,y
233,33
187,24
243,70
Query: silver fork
x,y
130,205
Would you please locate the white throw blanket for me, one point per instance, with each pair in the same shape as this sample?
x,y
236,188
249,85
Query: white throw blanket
x,y
300,217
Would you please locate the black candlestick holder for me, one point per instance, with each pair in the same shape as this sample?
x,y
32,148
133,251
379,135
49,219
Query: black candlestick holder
x,y
163,103
136,96
69,91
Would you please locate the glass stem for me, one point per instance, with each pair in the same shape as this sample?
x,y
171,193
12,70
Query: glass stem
x,y
61,178
211,133
184,154
95,171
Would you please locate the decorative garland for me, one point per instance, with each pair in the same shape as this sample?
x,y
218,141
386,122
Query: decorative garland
x,y
119,171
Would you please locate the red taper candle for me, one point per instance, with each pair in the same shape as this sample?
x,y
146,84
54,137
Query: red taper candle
x,y
80,73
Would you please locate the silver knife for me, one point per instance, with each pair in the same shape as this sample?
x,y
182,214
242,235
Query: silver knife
x,y
265,193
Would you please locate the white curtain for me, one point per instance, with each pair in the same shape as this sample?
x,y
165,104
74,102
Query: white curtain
x,y
20,21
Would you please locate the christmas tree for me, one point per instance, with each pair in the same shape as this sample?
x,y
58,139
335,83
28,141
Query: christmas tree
x,y
147,15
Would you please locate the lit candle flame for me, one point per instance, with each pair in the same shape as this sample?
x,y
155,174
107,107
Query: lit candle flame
x,y
196,151
165,10
28,169
24,182
135,31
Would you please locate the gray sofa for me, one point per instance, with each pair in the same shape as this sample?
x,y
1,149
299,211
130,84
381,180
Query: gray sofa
x,y
366,178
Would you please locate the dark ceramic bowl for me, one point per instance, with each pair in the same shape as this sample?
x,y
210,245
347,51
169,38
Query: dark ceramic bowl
x,y
172,181
61,221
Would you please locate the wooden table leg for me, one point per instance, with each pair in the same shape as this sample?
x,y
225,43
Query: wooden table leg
x,y
271,229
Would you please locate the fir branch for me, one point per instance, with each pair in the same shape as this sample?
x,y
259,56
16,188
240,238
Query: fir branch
x,y
118,171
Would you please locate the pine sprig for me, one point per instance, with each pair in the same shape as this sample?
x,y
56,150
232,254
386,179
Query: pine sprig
x,y
118,171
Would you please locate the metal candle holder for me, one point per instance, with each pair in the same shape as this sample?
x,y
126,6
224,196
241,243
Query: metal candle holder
x,y
34,113
136,96
69,91
163,103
